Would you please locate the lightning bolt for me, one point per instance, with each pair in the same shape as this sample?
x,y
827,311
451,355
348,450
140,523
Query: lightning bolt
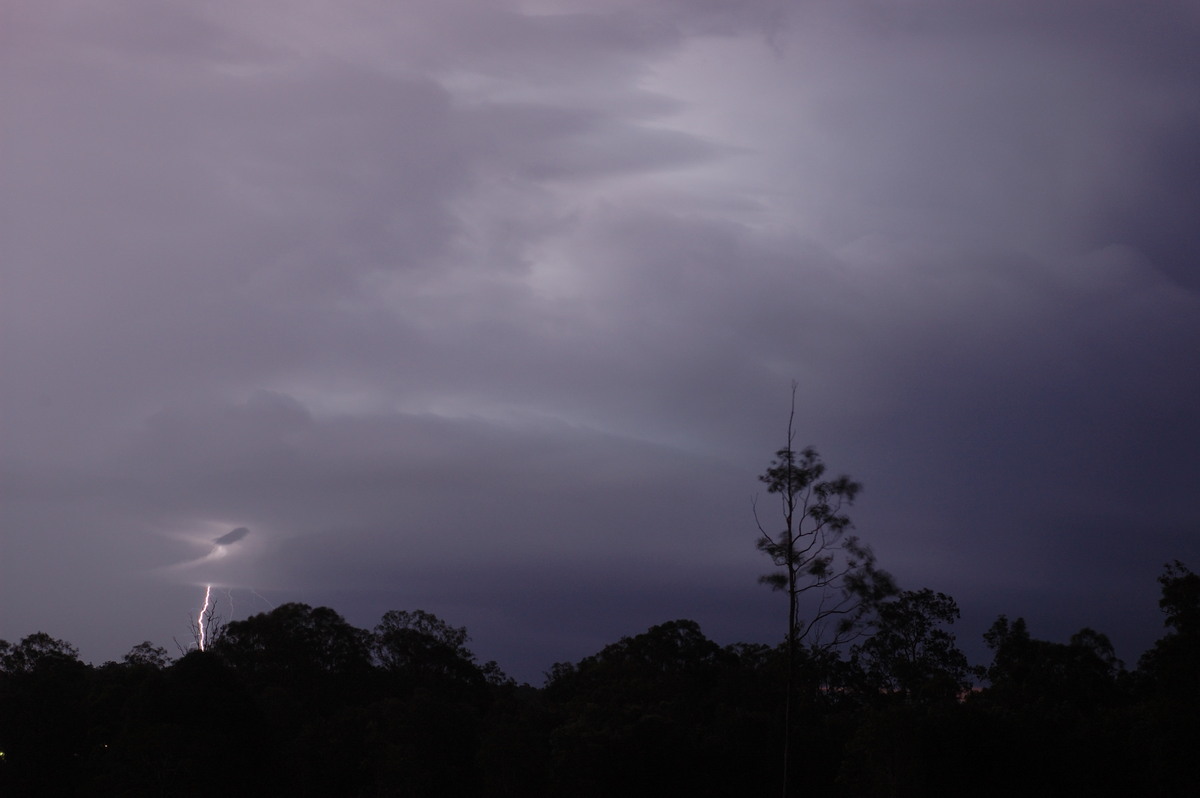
x,y
202,634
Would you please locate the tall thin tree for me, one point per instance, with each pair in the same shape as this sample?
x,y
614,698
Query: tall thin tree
x,y
830,578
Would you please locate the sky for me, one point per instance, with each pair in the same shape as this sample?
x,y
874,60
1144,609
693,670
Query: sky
x,y
493,308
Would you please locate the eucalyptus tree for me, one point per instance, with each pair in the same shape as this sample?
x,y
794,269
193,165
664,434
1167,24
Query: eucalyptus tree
x,y
830,578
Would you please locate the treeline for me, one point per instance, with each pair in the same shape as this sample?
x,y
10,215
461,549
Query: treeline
x,y
298,702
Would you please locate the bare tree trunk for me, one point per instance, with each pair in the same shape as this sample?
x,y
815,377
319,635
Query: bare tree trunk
x,y
793,603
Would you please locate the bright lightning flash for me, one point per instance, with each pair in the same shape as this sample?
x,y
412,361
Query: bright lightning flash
x,y
202,634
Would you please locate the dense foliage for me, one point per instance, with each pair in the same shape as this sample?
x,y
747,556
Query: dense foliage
x,y
299,702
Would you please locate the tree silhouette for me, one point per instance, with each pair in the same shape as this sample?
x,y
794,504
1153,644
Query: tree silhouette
x,y
813,552
35,652
910,654
422,650
649,715
1060,679
1170,682
294,643
147,655
299,702
816,558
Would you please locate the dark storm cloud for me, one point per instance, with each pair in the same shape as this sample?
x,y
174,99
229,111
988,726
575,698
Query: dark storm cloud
x,y
232,536
493,308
